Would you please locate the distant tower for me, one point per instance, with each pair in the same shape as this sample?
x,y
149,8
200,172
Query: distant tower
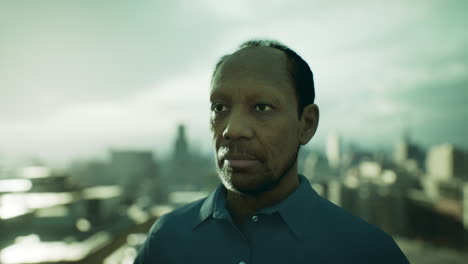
x,y
333,150
181,145
401,153
408,154
182,169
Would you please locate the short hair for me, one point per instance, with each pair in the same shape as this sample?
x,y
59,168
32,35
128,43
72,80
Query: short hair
x,y
301,74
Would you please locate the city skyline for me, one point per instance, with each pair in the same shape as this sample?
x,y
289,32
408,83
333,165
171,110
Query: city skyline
x,y
196,149
100,77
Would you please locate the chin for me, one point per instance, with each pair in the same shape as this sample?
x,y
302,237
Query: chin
x,y
251,184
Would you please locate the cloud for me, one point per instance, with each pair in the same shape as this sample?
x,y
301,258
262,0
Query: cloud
x,y
55,56
77,79
147,120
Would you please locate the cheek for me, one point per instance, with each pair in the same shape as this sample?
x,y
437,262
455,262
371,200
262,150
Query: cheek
x,y
216,132
216,141
282,144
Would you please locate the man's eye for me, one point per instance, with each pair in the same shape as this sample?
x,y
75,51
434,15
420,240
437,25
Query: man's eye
x,y
262,107
218,108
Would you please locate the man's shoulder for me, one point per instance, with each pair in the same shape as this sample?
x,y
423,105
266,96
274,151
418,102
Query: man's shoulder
x,y
349,229
167,231
336,215
181,218
343,221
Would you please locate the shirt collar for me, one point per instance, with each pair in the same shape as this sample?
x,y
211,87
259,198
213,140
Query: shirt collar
x,y
295,209
213,206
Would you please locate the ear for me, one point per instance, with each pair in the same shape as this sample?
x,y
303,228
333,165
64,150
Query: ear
x,y
309,123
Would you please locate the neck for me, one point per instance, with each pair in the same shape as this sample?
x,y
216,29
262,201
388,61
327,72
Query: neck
x,y
243,206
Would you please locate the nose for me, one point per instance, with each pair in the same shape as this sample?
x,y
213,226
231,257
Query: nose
x,y
238,127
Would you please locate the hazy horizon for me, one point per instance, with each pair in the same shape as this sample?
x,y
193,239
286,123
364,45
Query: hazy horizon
x,y
78,80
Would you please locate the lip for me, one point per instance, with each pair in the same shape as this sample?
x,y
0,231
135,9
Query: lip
x,y
240,163
230,156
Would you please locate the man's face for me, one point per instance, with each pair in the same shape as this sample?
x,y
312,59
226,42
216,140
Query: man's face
x,y
254,120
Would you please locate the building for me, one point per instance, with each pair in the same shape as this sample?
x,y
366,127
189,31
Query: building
x,y
136,171
55,219
445,162
186,170
408,155
333,150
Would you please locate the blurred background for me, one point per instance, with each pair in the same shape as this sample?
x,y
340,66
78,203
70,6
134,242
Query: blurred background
x,y
104,117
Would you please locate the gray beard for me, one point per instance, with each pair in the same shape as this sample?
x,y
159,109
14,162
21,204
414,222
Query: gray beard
x,y
272,184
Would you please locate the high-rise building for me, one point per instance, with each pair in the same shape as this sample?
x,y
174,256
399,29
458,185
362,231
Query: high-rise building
x,y
401,151
333,150
187,171
134,169
465,205
181,151
408,154
316,168
446,162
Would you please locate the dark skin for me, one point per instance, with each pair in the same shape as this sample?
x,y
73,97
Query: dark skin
x,y
254,116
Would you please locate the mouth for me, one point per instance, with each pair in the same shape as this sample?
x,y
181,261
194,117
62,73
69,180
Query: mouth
x,y
240,162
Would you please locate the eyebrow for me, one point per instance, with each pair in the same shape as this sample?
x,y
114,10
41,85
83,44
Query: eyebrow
x,y
253,96
217,95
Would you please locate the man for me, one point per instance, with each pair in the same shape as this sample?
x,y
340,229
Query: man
x,y
262,111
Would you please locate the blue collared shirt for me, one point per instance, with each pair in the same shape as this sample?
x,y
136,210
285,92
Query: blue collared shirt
x,y
303,228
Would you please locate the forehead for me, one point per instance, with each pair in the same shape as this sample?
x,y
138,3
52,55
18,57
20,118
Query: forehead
x,y
256,70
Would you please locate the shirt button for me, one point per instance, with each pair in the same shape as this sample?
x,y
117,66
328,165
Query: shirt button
x,y
255,218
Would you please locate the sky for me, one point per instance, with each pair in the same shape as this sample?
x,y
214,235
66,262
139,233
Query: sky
x,y
79,78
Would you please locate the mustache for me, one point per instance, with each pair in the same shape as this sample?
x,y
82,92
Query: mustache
x,y
239,151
